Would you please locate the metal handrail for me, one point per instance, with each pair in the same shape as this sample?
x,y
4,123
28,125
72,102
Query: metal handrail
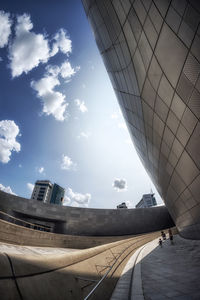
x,y
110,268
11,219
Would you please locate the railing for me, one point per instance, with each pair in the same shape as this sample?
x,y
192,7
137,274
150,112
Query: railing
x,y
6,217
110,268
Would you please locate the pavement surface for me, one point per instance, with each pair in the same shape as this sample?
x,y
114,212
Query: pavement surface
x,y
17,249
155,273
171,272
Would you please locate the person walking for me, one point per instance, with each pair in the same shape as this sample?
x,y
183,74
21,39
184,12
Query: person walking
x,y
160,243
171,237
163,235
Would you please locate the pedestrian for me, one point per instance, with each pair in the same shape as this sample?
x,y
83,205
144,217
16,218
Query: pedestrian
x,y
163,235
160,243
171,237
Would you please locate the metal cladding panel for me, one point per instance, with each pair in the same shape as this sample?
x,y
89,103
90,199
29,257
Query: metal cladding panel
x,y
151,50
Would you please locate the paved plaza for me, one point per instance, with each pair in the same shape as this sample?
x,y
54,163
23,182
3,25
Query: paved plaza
x,y
155,273
173,271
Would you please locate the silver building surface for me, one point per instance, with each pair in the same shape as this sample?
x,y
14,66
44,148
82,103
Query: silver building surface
x,y
151,50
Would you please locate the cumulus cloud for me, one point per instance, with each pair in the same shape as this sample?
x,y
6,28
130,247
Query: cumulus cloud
x,y
30,186
28,49
53,101
67,163
41,170
77,199
5,28
8,133
120,184
6,189
83,134
65,70
67,200
81,105
61,42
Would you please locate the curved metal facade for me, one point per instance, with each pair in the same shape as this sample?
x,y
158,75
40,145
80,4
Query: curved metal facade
x,y
151,50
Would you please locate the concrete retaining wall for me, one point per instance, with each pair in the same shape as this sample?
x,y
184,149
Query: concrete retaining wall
x,y
14,234
87,221
68,276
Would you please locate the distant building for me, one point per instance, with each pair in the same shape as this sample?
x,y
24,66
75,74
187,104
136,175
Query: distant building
x,y
122,205
42,191
147,200
47,192
57,194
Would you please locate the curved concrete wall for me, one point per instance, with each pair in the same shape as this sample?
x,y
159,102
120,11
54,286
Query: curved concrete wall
x,y
66,276
151,50
86,221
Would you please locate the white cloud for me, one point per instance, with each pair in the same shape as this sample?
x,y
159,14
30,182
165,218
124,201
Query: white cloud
x,y
20,166
77,199
6,189
53,101
66,201
67,163
83,134
5,28
8,133
66,70
28,49
120,184
81,105
30,186
41,170
62,43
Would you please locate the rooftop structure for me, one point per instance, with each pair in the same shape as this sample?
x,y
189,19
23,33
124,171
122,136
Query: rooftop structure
x,y
122,205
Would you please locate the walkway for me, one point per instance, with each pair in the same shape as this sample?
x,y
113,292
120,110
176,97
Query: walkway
x,y
171,272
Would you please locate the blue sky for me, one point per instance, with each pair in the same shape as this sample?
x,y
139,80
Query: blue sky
x,y
59,117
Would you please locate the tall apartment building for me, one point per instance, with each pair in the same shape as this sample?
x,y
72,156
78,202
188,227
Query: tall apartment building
x,y
42,191
47,192
57,195
147,200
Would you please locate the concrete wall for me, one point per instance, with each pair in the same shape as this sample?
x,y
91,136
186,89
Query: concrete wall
x,y
19,235
86,221
66,276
